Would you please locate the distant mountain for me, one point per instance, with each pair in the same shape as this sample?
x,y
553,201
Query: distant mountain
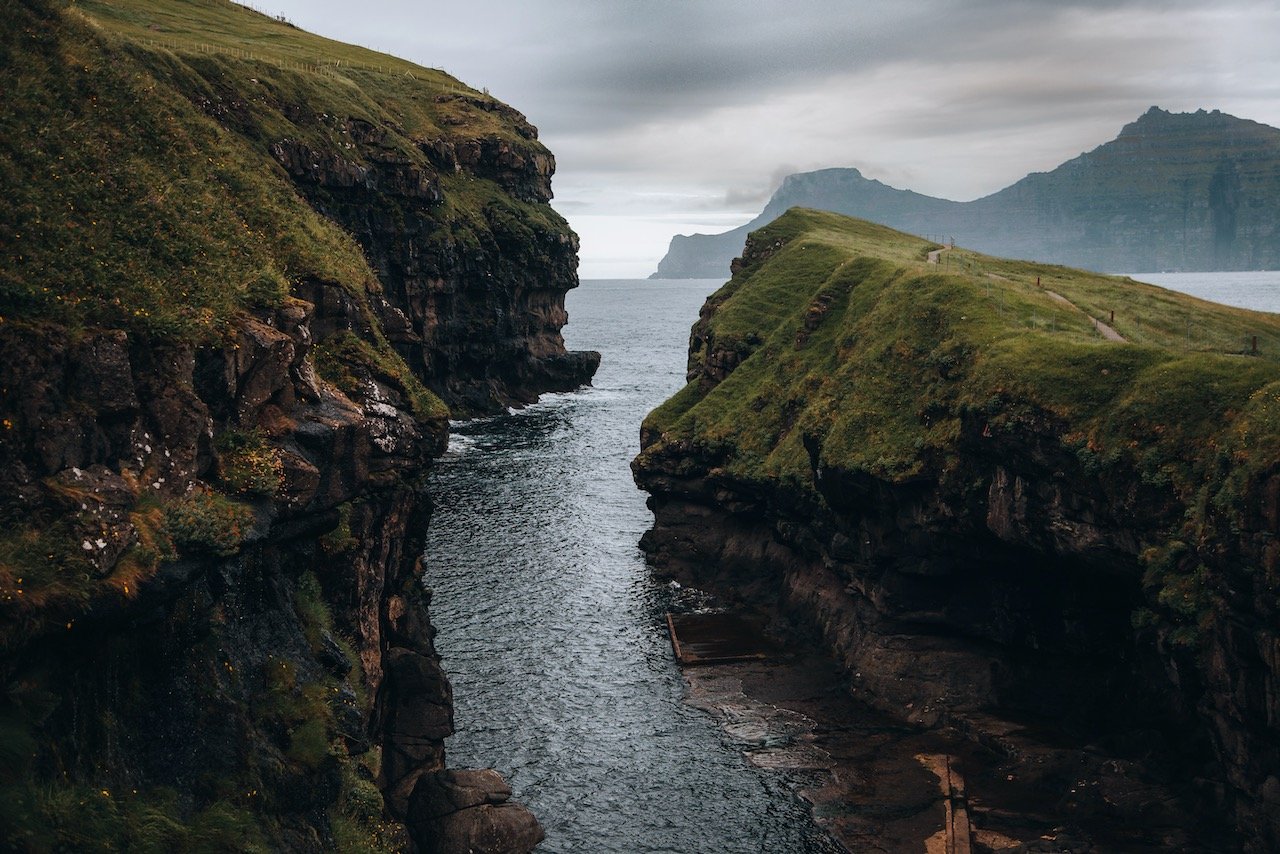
x,y
1174,191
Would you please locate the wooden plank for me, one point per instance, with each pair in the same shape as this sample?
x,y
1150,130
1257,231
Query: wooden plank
x,y
716,638
675,639
956,835
959,833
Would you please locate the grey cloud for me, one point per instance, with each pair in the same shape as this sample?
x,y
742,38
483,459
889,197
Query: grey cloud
x,y
619,63
692,104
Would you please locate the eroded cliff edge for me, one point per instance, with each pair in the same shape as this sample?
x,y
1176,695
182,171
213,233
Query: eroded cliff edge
x,y
997,520
245,269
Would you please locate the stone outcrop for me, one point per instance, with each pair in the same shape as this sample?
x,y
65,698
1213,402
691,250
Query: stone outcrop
x,y
469,812
239,650
479,320
1027,580
1174,191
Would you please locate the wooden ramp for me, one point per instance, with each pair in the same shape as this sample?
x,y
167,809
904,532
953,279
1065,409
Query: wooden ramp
x,y
956,834
716,638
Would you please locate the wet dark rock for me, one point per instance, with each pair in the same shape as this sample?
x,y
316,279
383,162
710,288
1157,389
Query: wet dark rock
x,y
467,811
443,792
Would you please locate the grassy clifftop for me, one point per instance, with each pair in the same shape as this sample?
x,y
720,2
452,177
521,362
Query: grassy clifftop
x,y
841,334
135,145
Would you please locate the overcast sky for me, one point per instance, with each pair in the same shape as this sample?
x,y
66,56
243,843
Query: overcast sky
x,y
673,116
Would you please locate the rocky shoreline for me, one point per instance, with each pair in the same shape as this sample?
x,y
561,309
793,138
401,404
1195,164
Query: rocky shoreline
x,y
871,773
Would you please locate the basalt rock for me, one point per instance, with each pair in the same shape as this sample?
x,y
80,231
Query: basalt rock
x,y
469,811
478,309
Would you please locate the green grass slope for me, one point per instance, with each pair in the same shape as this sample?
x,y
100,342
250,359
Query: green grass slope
x,y
128,206
852,352
839,380
141,192
846,335
134,148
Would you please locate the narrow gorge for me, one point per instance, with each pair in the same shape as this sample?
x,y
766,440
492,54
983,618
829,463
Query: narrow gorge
x,y
251,272
998,522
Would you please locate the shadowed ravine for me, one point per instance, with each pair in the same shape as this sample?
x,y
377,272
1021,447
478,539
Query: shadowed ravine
x,y
552,628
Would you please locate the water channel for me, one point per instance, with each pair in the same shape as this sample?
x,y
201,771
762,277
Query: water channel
x,y
551,628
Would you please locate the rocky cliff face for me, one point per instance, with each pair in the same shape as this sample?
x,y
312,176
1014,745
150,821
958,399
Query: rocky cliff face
x,y
977,551
479,314
1186,191
218,416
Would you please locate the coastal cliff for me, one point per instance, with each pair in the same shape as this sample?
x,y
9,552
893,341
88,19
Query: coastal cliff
x,y
1172,191
1004,510
248,273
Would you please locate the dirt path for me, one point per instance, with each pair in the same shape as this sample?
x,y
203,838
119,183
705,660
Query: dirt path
x,y
1106,331
935,254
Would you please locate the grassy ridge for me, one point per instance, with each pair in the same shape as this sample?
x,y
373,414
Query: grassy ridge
x,y
128,207
425,101
857,342
135,148
854,349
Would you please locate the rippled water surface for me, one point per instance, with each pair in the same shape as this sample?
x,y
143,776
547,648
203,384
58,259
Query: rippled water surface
x,y
551,629
1258,290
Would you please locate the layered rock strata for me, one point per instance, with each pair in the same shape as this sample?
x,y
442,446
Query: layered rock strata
x,y
1055,544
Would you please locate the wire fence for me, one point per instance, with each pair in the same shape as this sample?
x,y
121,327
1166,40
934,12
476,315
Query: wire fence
x,y
327,66
1188,334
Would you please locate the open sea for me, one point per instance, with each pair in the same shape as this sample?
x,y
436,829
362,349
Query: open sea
x,y
552,629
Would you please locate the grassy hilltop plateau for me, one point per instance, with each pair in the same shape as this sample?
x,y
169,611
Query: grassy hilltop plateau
x,y
1172,191
995,509
246,273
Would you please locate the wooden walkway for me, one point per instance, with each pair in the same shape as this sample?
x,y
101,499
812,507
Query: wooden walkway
x,y
956,836
716,638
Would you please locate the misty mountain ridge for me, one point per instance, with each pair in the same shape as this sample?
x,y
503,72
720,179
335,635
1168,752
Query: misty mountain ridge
x,y
1173,191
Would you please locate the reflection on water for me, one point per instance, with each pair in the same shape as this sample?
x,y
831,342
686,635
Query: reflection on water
x,y
552,629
